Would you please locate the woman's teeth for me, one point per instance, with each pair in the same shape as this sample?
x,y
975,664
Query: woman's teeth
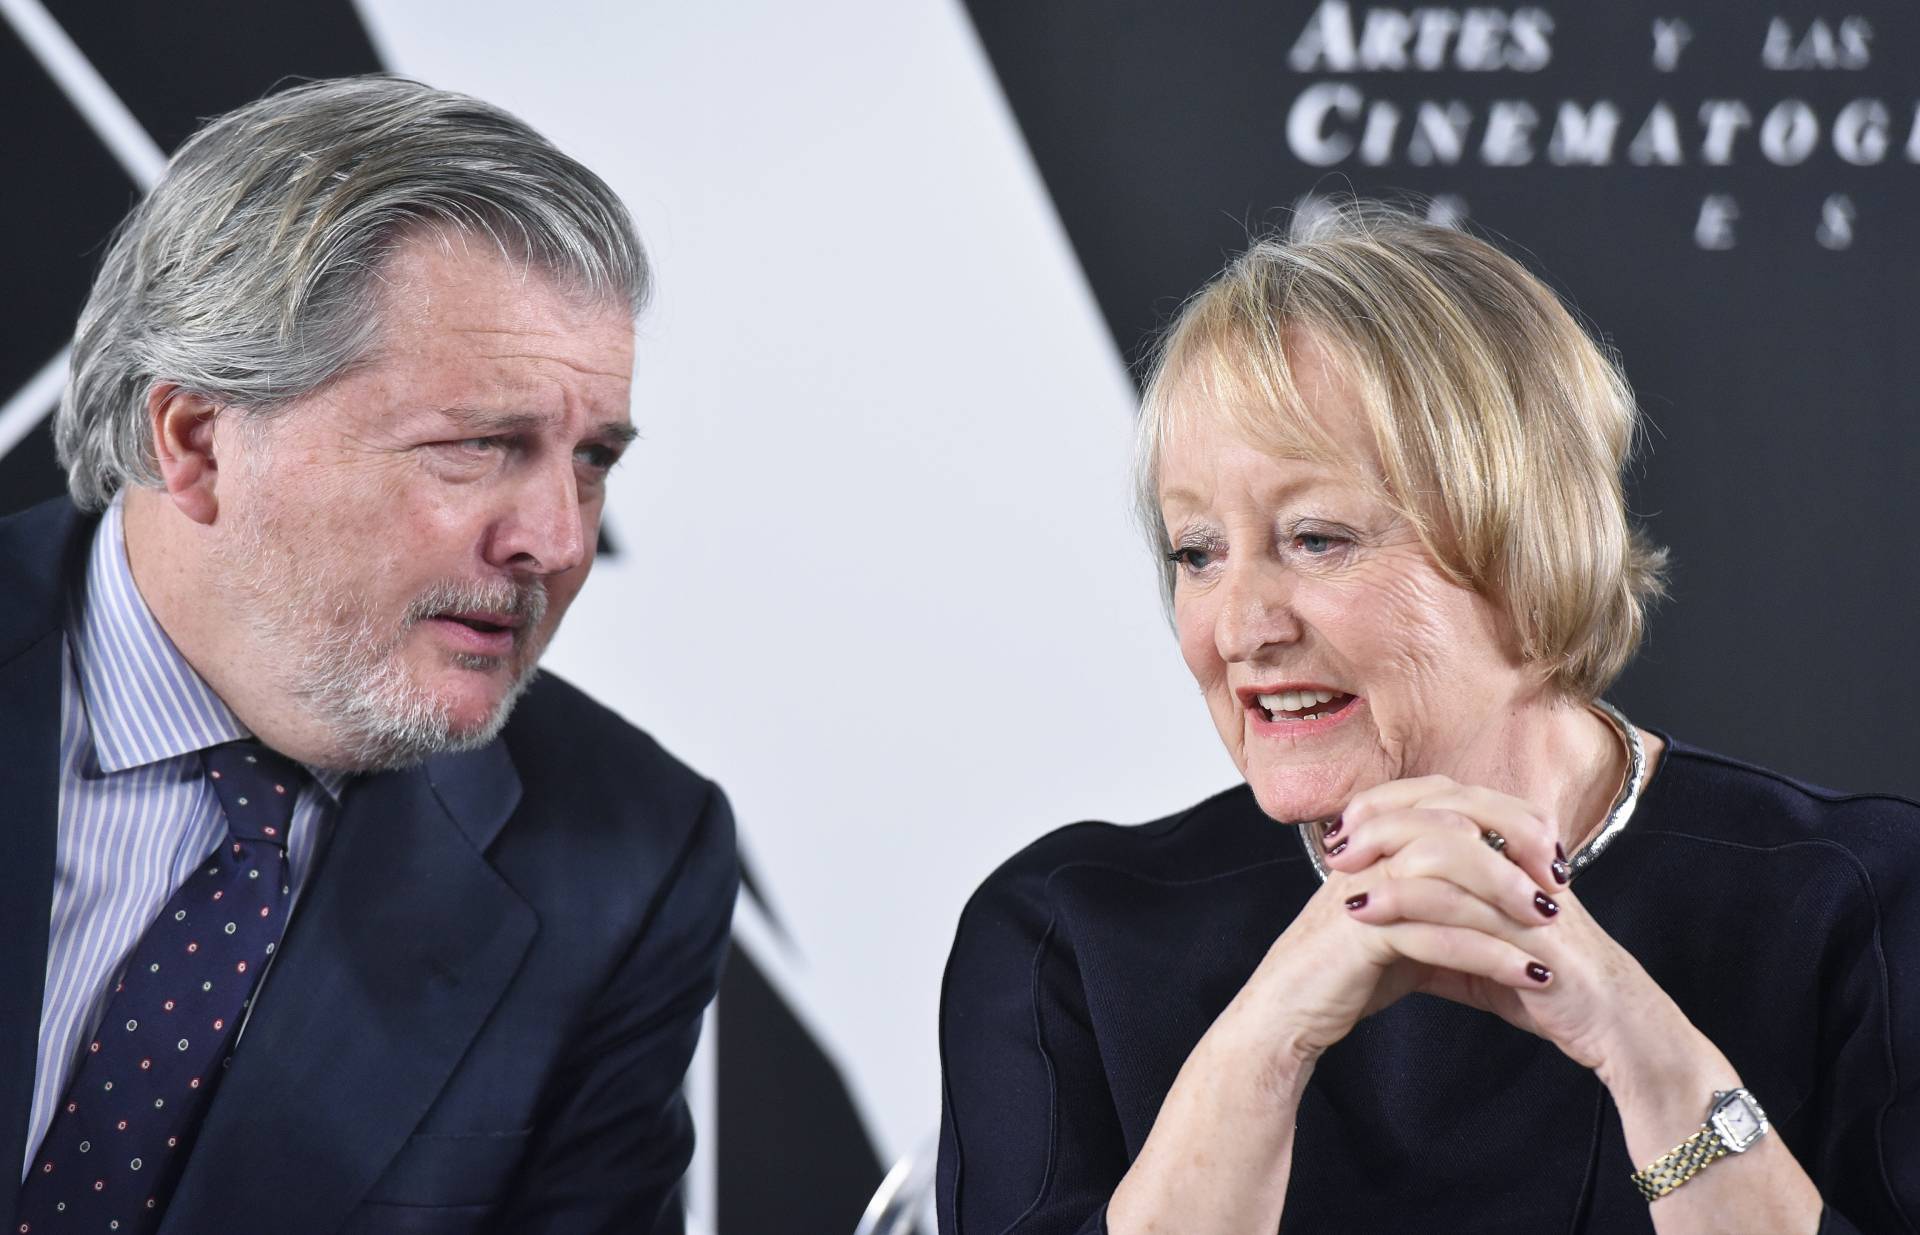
x,y
1296,700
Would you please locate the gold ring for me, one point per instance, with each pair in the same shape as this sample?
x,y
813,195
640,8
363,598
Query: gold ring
x,y
1495,841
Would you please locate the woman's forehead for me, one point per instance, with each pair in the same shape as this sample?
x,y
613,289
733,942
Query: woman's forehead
x,y
1303,399
1329,430
1209,459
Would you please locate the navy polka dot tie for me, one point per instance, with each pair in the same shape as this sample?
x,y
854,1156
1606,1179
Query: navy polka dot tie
x,y
118,1142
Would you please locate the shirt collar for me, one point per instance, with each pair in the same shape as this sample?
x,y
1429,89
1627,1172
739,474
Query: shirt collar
x,y
144,701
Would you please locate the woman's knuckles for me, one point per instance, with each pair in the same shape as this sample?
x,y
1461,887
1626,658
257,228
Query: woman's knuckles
x,y
1389,794
1514,819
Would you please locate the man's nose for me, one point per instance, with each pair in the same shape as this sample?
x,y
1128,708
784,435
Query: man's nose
x,y
1256,610
544,531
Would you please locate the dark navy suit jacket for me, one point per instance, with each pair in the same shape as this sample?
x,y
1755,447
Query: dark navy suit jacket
x,y
487,997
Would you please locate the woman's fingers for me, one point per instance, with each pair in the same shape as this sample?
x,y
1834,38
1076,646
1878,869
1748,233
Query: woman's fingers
x,y
1324,973
1394,795
1466,951
1525,837
1424,843
1441,902
1531,841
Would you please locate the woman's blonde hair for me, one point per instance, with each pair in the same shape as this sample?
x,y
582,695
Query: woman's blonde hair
x,y
1502,428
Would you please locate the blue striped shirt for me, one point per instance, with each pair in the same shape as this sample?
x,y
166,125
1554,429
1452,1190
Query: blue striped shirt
x,y
137,814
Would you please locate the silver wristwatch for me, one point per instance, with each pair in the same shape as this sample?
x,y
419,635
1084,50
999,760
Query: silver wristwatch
x,y
1734,1122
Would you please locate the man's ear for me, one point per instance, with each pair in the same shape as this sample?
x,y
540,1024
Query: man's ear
x,y
182,426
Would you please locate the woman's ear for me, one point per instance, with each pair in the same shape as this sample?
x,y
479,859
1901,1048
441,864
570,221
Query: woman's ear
x,y
182,427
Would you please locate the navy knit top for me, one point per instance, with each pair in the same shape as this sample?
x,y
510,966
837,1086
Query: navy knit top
x,y
1783,919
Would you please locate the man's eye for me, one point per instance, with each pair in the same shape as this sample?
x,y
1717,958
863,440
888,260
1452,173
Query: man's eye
x,y
599,458
472,445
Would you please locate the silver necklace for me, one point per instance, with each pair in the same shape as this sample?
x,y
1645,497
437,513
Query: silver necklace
x,y
1617,814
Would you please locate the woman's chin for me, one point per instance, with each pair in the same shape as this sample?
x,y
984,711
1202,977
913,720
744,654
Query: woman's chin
x,y
1287,799
1296,785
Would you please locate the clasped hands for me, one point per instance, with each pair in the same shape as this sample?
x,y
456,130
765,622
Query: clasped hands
x,y
1418,899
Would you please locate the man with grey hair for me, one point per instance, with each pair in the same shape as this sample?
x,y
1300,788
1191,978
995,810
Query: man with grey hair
x,y
325,911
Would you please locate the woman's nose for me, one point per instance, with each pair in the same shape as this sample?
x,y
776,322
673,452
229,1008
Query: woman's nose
x,y
1256,611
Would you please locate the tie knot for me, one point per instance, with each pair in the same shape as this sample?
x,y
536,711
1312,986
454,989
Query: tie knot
x,y
257,788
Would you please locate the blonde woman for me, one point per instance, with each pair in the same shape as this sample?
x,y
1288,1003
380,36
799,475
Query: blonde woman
x,y
1470,950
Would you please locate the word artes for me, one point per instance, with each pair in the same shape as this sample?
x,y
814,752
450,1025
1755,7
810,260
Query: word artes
x,y
1424,39
1332,122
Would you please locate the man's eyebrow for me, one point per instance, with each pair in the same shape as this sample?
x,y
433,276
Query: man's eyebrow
x,y
482,420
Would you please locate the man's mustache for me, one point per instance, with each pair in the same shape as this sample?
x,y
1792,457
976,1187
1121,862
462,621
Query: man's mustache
x,y
525,602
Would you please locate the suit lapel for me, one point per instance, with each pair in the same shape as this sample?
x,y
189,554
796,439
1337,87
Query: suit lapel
x,y
29,786
403,942
39,550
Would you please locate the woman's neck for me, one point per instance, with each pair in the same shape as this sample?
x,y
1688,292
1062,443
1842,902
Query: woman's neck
x,y
1567,759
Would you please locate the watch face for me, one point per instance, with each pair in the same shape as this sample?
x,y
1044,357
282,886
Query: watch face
x,y
1738,1120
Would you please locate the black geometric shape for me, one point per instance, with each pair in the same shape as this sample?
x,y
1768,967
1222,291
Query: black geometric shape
x,y
176,65
750,884
65,192
792,1154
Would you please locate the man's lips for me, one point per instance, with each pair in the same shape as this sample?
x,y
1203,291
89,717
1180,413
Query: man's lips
x,y
479,633
482,619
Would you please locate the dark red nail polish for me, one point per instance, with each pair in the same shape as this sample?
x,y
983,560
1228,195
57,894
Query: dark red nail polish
x,y
1538,972
1337,850
1561,871
1559,851
1544,905
1357,902
1333,829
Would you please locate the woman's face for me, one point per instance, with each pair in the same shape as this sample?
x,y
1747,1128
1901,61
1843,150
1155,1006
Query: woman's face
x,y
1333,654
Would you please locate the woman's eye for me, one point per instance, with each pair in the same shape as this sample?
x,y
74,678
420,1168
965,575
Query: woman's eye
x,y
1322,541
1316,544
1191,559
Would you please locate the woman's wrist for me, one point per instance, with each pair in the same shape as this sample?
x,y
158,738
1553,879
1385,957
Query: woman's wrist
x,y
1221,1149
1662,1078
1252,1044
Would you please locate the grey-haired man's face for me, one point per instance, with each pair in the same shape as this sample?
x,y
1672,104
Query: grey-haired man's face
x,y
403,543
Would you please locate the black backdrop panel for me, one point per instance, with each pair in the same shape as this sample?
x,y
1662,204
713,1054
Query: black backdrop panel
x,y
1728,193
65,192
176,64
792,1153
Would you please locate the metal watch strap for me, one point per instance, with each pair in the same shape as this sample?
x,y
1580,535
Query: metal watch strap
x,y
1680,1163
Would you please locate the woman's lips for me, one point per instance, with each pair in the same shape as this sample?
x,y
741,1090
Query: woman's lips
x,y
1299,713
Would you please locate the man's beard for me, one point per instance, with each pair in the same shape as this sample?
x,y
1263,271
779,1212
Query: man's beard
x,y
334,657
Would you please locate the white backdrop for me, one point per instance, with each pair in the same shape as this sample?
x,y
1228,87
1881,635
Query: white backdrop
x,y
877,574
